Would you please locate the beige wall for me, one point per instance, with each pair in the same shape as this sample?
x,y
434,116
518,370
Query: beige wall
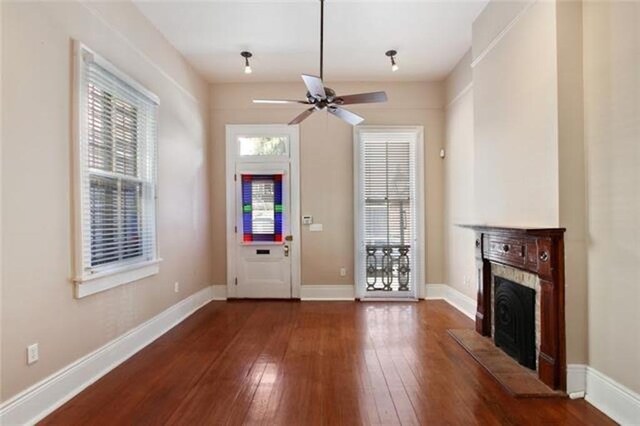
x,y
459,248
1,273
37,303
612,129
327,167
529,155
572,205
515,121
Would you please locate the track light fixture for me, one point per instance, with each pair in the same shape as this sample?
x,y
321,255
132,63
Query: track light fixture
x,y
391,54
246,55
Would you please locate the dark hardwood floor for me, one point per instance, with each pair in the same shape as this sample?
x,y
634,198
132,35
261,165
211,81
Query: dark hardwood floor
x,y
294,363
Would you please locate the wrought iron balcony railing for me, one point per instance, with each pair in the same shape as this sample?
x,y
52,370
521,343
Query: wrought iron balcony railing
x,y
388,267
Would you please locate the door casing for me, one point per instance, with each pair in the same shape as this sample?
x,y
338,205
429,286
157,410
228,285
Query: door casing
x,y
420,248
293,133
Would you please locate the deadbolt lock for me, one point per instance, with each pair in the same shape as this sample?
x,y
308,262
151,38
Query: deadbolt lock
x,y
289,238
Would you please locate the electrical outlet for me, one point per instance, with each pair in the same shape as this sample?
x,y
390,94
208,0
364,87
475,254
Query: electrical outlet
x,y
33,354
176,287
343,272
467,281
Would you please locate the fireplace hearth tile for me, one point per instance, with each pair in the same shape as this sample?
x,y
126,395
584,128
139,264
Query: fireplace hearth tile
x,y
519,381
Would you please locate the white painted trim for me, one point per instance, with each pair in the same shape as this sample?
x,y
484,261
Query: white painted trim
x,y
219,292
502,34
294,189
460,95
420,249
612,398
435,291
39,400
120,273
460,301
388,299
576,380
327,292
91,285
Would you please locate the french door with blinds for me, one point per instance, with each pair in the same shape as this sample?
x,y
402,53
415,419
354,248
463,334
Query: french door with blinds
x,y
389,211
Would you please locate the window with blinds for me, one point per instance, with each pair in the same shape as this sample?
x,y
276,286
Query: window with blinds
x,y
117,168
387,210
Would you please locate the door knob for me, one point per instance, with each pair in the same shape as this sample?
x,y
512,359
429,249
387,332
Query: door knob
x,y
286,251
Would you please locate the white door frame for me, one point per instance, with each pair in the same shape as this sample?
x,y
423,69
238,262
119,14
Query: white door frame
x,y
420,222
293,132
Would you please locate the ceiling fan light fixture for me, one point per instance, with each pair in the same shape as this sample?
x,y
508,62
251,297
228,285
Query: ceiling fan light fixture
x,y
246,55
391,54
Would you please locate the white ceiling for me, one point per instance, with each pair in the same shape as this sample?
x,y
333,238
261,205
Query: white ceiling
x,y
430,37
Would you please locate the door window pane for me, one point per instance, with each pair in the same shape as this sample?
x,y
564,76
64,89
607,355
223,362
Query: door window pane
x,y
263,145
262,208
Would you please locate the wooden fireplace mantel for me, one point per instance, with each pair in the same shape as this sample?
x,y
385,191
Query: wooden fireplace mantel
x,y
539,251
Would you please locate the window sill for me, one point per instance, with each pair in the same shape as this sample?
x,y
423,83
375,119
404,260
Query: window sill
x,y
86,286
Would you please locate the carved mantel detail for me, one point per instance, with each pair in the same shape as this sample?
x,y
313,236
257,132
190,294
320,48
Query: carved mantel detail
x,y
539,251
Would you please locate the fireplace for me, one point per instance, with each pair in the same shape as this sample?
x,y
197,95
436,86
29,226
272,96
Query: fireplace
x,y
514,321
521,296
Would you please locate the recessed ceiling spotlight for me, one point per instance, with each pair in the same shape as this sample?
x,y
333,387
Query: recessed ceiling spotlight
x,y
391,54
246,55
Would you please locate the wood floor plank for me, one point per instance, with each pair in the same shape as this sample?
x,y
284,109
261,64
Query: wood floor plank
x,y
315,363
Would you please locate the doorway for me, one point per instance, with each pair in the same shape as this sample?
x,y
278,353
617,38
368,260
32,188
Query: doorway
x,y
389,211
263,205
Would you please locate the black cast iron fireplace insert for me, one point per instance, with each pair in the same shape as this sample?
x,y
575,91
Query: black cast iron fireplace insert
x,y
514,321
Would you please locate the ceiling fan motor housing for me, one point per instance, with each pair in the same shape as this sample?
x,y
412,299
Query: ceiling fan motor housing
x,y
320,102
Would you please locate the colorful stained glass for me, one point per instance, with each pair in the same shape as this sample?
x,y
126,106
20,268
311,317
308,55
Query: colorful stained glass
x,y
262,207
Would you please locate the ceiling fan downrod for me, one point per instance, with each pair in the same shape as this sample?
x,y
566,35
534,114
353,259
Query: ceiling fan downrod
x,y
321,36
319,97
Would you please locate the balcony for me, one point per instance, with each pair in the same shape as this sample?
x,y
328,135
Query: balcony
x,y
388,268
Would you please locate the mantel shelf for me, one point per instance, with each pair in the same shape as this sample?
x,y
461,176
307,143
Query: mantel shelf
x,y
531,230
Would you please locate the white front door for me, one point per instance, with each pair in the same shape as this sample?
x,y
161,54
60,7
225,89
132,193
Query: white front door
x,y
263,240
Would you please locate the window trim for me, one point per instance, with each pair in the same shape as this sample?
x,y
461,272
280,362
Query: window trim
x,y
420,249
90,283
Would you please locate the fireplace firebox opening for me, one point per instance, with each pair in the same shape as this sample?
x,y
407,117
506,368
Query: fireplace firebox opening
x,y
514,321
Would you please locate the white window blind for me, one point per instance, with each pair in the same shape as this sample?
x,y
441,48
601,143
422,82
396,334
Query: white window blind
x,y
388,209
117,167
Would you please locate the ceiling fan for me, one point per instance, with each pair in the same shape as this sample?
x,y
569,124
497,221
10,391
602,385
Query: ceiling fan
x,y
321,97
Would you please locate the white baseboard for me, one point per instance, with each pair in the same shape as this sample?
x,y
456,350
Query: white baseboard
x,y
461,302
612,398
327,292
615,400
39,400
219,292
576,380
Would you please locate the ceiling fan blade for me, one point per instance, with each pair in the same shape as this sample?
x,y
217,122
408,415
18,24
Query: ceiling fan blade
x,y
315,86
362,98
346,115
306,113
278,101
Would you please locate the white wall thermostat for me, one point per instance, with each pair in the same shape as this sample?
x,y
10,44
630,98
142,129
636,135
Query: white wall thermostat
x,y
307,219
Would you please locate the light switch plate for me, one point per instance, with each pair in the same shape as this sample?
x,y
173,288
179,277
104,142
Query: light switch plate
x,y
316,227
307,219
33,354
